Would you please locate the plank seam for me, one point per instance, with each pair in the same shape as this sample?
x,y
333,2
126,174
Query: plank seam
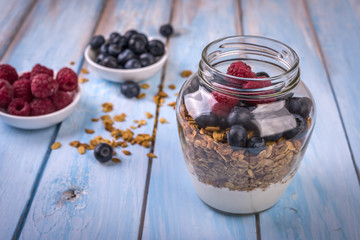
x,y
35,186
153,141
258,229
239,23
18,27
23,217
324,64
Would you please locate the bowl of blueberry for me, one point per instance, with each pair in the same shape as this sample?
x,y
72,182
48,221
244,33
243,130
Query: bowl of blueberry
x,y
132,56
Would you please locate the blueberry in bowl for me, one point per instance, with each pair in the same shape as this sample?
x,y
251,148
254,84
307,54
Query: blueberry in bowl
x,y
128,56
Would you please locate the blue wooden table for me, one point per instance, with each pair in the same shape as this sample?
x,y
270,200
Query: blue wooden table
x,y
61,194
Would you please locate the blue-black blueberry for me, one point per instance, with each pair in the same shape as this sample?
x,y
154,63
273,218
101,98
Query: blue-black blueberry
x,y
125,56
207,120
239,115
132,64
110,61
299,131
166,30
130,89
103,152
237,136
256,145
299,105
114,50
146,59
156,47
96,42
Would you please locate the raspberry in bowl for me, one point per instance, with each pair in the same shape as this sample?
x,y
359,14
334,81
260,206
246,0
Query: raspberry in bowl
x,y
39,98
245,120
128,57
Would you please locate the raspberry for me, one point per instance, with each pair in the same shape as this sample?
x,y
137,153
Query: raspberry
x,y
8,73
40,69
67,79
240,69
260,84
19,107
43,85
223,103
61,99
26,75
41,106
22,89
6,93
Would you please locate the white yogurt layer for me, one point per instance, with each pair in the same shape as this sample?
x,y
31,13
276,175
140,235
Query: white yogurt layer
x,y
240,202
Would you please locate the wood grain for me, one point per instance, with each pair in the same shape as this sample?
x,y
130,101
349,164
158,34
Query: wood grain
x,y
174,210
109,199
322,201
338,39
46,37
12,15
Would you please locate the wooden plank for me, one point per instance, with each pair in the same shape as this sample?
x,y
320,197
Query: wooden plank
x,y
12,15
322,201
49,36
174,211
109,198
338,40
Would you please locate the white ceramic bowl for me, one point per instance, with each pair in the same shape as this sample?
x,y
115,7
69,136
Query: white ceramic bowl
x,y
42,121
121,75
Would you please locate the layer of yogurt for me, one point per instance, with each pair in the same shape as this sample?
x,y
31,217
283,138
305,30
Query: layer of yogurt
x,y
240,202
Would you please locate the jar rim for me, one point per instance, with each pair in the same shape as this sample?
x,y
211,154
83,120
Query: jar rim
x,y
288,71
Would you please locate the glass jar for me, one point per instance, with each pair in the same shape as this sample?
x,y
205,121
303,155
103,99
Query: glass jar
x,y
245,120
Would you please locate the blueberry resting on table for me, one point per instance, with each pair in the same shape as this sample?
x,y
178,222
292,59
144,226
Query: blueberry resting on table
x,y
130,89
299,105
300,129
256,145
166,30
237,136
96,42
103,152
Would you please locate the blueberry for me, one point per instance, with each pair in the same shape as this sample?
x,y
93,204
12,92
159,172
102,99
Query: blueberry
x,y
223,123
130,89
157,58
273,137
114,50
100,58
255,145
166,30
299,131
122,42
129,33
156,48
262,74
125,56
103,152
299,105
206,120
132,63
137,44
96,42
239,115
146,59
110,61
237,136
104,48
114,37
141,36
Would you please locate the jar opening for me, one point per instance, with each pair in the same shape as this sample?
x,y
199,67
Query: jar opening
x,y
263,55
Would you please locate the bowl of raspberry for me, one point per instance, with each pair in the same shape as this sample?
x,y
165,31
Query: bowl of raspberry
x,y
128,57
39,98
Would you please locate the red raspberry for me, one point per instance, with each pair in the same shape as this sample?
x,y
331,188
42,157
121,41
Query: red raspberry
x,y
19,107
43,85
67,79
22,89
260,84
8,73
240,69
222,103
41,106
61,99
26,75
40,69
6,93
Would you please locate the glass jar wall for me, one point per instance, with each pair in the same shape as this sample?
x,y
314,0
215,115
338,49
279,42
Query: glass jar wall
x,y
244,119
